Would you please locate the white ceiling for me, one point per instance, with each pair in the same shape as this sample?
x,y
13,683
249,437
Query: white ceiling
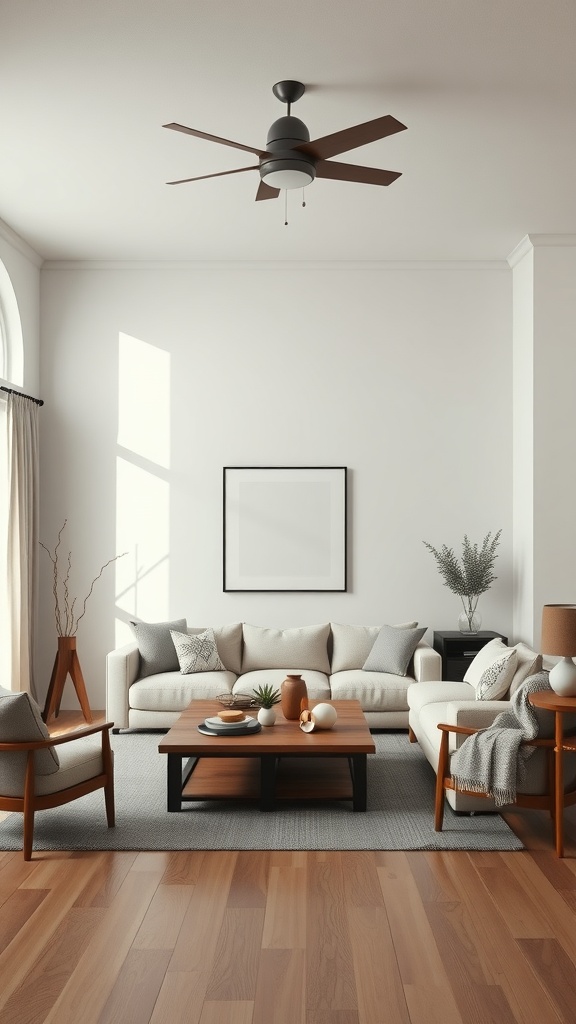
x,y
487,89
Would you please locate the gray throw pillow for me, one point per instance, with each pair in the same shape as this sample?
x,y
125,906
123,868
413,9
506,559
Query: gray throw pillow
x,y
393,649
21,722
157,651
197,653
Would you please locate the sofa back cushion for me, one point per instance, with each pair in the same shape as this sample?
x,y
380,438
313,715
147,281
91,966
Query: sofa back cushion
x,y
229,643
351,645
21,722
304,647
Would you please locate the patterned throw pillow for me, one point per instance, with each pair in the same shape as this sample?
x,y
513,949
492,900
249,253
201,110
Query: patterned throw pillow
x,y
393,649
495,680
197,653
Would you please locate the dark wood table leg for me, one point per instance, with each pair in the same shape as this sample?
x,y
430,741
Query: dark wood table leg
x,y
174,782
267,781
359,782
559,783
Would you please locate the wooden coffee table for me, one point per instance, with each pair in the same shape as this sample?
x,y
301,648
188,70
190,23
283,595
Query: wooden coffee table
x,y
279,762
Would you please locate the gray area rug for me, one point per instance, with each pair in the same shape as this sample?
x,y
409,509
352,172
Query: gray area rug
x,y
400,813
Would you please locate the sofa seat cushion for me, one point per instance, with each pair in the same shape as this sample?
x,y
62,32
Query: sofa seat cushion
x,y
420,694
376,691
273,648
317,683
171,691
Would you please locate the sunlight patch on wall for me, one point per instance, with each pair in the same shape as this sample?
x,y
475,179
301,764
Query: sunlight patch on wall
x,y
142,488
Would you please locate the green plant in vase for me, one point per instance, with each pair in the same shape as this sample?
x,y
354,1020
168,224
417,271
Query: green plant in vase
x,y
266,696
469,576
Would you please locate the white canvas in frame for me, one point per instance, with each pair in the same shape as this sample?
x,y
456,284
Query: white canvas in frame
x,y
285,528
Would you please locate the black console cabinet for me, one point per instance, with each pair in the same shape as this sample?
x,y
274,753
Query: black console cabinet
x,y
457,650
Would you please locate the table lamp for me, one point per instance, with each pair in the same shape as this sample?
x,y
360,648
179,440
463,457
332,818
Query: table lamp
x,y
559,639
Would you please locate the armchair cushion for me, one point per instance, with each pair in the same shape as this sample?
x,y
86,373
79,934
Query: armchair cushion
x,y
21,722
80,760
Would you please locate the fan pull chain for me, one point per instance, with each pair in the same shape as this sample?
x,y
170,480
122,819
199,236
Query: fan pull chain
x,y
303,199
286,208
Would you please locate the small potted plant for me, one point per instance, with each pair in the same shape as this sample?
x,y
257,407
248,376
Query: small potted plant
x,y
266,697
468,577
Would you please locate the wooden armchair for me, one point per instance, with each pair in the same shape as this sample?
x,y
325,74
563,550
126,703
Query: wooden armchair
x,y
444,781
32,775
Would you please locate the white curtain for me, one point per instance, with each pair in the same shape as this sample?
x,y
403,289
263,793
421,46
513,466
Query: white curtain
x,y
22,535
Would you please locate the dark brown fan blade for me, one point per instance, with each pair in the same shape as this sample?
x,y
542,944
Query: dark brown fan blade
x,y
352,138
219,174
352,172
213,138
266,192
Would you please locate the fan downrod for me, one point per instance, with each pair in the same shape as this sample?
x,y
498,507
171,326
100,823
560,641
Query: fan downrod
x,y
288,91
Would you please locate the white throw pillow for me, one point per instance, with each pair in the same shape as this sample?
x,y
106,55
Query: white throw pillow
x,y
492,670
529,663
197,653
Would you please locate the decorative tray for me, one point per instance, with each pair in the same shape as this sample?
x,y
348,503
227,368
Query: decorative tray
x,y
237,700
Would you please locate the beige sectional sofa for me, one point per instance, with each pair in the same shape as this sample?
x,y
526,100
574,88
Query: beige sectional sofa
x,y
330,657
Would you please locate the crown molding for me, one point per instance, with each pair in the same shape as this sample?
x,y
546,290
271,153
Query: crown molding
x,y
530,242
10,236
279,265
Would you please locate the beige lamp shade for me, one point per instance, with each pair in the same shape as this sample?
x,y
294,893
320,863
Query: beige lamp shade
x,y
559,630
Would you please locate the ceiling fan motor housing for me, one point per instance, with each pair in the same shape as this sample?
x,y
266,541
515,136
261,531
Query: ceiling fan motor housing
x,y
287,167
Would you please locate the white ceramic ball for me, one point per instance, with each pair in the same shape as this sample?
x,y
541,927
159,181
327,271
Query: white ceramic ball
x,y
324,715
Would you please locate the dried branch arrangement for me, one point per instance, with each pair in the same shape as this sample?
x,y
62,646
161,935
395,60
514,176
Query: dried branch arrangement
x,y
67,618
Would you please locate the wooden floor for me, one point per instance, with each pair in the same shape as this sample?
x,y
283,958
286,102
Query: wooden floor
x,y
292,938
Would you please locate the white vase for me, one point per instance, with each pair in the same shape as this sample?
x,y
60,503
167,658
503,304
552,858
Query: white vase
x,y
266,716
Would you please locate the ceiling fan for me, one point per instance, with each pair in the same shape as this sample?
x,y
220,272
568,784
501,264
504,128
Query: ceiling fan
x,y
291,160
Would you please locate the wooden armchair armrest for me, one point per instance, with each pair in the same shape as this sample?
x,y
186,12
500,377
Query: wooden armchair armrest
x,y
54,741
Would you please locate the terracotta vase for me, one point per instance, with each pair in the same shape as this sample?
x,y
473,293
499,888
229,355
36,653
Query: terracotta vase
x,y
293,691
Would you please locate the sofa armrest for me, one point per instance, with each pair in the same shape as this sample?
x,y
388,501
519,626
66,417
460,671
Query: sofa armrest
x,y
122,667
427,663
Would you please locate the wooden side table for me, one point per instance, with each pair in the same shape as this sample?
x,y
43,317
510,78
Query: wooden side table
x,y
560,706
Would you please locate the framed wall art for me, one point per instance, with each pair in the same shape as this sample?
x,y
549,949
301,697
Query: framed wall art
x,y
284,528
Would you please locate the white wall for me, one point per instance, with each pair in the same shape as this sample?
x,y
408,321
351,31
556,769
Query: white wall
x,y
155,378
22,266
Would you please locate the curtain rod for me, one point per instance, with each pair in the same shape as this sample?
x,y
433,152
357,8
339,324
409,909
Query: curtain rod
x,y
11,391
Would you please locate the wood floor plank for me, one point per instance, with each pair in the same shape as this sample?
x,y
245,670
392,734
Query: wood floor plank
x,y
281,988
181,998
514,901
236,1012
550,905
183,867
85,994
16,911
249,884
330,962
428,991
27,946
285,920
198,938
35,997
433,875
163,919
556,972
501,955
361,883
235,970
136,988
106,881
378,980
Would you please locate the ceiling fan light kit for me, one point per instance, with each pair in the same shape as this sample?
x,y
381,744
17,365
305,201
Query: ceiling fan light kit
x,y
291,160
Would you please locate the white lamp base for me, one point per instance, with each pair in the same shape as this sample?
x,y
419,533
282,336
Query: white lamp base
x,y
563,678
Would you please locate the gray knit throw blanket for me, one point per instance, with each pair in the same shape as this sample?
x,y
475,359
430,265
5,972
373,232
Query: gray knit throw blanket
x,y
492,761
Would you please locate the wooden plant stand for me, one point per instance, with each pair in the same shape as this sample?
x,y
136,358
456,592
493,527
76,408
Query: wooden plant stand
x,y
66,663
